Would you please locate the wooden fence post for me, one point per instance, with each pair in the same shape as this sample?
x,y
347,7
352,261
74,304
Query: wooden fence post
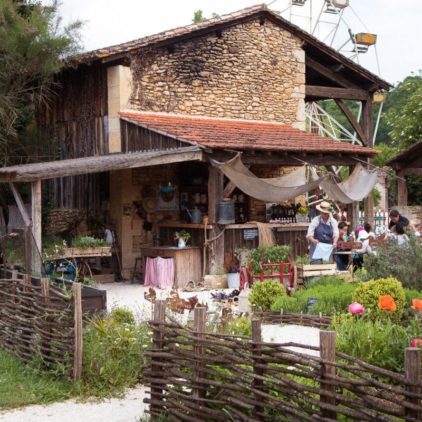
x,y
77,357
328,354
412,365
257,384
157,345
199,323
14,275
28,249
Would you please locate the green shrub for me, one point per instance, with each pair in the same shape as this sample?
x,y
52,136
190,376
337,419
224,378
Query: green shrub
x,y
332,295
88,242
113,352
264,294
403,262
368,294
379,342
267,255
241,326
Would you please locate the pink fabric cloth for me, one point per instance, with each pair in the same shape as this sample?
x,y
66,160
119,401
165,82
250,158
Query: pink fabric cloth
x,y
159,272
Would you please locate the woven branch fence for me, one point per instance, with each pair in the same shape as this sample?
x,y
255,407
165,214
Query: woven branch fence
x,y
194,375
42,320
317,321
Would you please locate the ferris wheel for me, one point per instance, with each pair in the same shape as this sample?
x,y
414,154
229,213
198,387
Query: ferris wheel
x,y
338,25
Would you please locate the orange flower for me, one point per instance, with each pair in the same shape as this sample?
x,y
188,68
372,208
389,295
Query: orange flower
x,y
387,303
417,304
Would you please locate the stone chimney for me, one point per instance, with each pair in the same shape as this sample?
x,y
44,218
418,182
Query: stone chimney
x,y
119,89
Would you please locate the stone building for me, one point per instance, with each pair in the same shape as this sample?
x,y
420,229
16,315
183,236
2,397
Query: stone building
x,y
234,83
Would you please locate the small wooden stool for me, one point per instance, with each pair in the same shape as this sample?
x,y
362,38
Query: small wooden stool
x,y
138,270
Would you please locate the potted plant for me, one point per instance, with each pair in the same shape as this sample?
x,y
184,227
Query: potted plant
x,y
182,237
301,214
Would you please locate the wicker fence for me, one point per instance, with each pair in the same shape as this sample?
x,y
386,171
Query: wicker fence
x,y
40,319
194,375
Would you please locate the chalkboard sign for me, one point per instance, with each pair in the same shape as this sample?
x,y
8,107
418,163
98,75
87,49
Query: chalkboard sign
x,y
250,234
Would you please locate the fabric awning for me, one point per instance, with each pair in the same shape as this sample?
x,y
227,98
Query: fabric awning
x,y
357,186
98,164
268,190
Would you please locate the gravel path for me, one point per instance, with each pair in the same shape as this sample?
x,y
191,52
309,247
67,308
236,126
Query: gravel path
x,y
127,409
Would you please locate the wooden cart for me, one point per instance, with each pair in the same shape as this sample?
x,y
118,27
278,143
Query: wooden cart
x,y
78,259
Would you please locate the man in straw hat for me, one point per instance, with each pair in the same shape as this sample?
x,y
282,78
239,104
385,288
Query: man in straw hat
x,y
323,229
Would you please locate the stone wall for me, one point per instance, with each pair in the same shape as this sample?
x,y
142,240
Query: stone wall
x,y
252,70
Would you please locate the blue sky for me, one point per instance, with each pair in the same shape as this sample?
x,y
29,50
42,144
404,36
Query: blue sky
x,y
396,22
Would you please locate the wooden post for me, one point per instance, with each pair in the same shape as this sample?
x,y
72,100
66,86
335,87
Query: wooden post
x,y
401,189
412,365
45,288
199,323
257,384
215,195
77,356
14,275
157,345
36,225
28,250
328,354
368,132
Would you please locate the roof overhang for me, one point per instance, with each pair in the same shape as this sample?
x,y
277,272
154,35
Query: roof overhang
x,y
219,134
98,164
409,158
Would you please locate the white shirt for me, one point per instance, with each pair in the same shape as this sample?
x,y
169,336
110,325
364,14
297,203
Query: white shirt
x,y
315,223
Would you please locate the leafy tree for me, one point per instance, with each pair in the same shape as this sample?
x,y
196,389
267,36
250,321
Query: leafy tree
x,y
198,16
33,42
404,115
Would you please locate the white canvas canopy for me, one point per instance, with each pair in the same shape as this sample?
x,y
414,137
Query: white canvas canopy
x,y
276,189
357,186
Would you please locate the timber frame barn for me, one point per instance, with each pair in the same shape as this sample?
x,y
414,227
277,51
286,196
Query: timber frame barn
x,y
132,118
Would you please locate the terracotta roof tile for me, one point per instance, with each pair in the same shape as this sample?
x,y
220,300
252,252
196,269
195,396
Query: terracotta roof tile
x,y
239,134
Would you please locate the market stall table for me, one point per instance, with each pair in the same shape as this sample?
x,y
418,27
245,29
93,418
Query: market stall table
x,y
187,262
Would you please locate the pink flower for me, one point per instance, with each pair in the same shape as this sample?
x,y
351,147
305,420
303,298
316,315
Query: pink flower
x,y
416,342
356,308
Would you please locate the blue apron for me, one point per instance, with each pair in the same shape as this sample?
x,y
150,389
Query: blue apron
x,y
324,233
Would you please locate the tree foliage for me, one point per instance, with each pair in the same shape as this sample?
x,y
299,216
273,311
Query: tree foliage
x,y
404,114
32,43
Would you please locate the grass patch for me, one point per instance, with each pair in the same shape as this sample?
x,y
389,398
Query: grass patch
x,y
21,385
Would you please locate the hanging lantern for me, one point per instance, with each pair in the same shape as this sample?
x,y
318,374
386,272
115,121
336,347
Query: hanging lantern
x,y
378,97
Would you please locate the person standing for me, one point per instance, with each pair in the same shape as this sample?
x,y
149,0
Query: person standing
x,y
322,229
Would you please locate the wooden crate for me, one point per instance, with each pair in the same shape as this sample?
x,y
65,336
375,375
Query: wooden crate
x,y
305,271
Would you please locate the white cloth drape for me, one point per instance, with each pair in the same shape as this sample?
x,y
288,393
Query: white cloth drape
x,y
276,189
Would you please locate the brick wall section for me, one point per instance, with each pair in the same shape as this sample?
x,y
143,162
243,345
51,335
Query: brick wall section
x,y
252,71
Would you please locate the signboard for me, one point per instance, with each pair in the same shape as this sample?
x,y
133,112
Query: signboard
x,y
250,234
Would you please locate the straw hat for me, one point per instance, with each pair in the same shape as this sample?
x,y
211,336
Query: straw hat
x,y
324,206
149,204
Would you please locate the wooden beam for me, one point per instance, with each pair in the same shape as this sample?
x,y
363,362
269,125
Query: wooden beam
x,y
228,190
329,74
352,120
36,212
367,121
402,192
411,172
215,196
326,92
99,164
21,205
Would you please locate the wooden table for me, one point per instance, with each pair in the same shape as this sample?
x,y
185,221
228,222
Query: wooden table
x,y
187,262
